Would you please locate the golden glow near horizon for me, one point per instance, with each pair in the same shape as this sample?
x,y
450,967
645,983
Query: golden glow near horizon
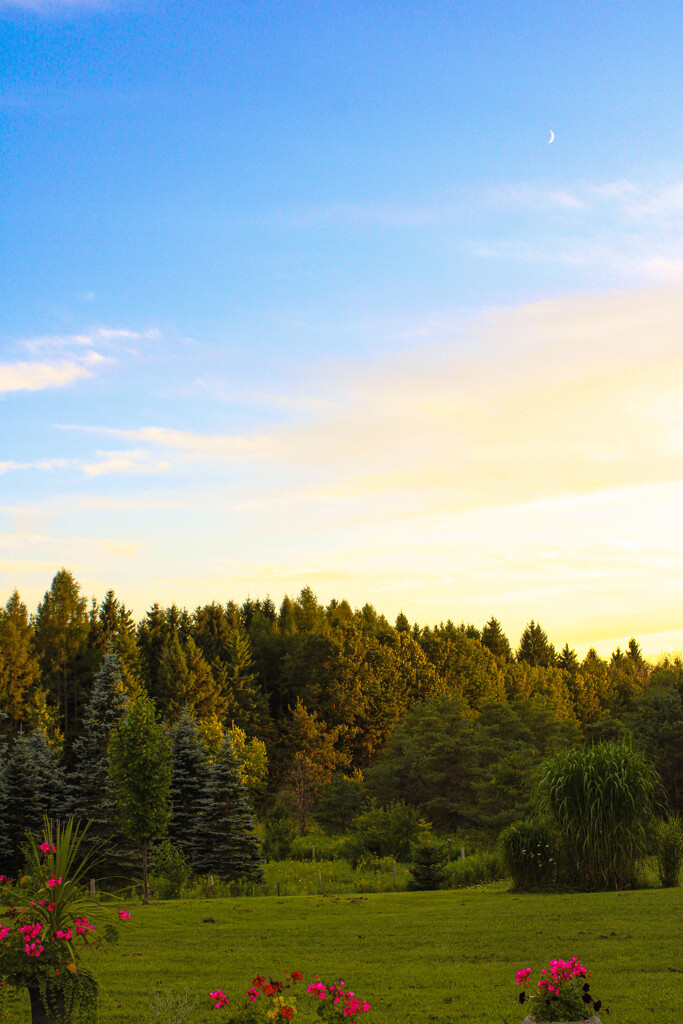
x,y
523,463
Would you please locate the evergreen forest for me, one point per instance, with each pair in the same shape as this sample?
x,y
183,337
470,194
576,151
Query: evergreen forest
x,y
306,716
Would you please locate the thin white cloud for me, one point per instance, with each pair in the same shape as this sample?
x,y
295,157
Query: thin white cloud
x,y
130,463
189,444
35,376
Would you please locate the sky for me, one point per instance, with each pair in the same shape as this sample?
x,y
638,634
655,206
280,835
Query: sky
x,y
303,294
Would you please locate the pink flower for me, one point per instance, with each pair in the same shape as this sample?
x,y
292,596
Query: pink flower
x,y
64,933
48,847
4,932
252,994
81,925
52,881
124,915
220,997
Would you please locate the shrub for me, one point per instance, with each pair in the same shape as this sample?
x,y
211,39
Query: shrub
x,y
669,845
477,868
427,865
528,852
325,847
171,870
386,831
601,799
279,832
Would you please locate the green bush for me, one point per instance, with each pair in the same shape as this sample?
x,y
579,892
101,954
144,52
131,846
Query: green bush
x,y
601,799
669,845
279,832
477,868
386,831
528,853
171,870
325,847
427,869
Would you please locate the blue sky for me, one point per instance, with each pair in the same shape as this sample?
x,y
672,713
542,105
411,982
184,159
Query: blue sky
x,y
300,293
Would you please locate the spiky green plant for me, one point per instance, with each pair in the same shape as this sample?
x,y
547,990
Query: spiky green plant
x,y
601,799
528,850
669,842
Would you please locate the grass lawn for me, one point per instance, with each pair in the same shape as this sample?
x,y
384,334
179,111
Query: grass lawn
x,y
416,957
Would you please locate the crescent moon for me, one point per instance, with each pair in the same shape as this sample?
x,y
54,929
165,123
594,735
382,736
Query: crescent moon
x,y
552,136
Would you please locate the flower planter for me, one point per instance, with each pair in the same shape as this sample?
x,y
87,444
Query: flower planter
x,y
53,1013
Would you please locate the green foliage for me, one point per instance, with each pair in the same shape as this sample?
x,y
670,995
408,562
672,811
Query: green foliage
x,y
226,844
534,646
171,868
280,832
477,868
427,865
529,855
189,768
600,799
339,802
92,791
669,844
386,831
141,772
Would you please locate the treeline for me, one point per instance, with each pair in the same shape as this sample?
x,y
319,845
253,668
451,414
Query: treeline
x,y
330,707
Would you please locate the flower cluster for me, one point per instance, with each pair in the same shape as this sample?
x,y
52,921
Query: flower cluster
x,y
344,1003
30,934
271,1001
563,993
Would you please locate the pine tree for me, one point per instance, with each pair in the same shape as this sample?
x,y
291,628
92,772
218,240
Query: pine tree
x,y
61,640
534,646
493,637
189,774
33,783
226,844
245,704
91,789
19,668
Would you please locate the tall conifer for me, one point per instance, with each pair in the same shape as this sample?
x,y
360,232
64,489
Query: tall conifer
x,y
226,844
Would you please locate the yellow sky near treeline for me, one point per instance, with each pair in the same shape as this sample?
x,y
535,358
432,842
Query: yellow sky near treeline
x,y
523,463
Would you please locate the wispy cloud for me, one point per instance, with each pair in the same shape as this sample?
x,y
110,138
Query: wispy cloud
x,y
191,445
102,337
36,376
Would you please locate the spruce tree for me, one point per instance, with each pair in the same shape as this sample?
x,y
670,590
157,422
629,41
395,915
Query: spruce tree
x,y
24,806
91,790
226,844
189,774
493,637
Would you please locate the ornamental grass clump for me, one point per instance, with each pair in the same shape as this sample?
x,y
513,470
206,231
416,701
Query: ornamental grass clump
x,y
669,845
562,994
528,850
600,799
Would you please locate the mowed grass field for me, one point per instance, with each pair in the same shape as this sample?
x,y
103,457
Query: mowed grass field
x,y
416,957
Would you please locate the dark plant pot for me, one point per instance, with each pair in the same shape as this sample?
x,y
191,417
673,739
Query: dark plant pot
x,y
54,1012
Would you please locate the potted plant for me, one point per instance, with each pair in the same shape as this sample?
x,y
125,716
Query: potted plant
x,y
44,928
561,995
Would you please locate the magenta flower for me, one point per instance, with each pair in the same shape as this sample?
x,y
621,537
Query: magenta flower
x,y
124,915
